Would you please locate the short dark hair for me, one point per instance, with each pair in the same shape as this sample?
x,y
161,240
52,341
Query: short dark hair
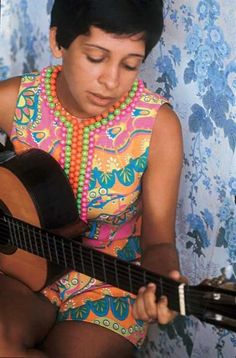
x,y
75,17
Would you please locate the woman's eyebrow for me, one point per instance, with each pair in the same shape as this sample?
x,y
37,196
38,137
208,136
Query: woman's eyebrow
x,y
108,51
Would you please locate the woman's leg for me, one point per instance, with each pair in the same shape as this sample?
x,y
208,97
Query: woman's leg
x,y
73,339
25,319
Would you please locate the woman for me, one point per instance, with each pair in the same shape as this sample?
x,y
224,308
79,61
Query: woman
x,y
121,148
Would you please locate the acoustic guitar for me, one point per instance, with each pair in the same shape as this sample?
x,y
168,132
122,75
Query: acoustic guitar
x,y
40,238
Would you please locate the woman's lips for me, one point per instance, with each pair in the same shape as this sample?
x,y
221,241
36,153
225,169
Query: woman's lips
x,y
100,100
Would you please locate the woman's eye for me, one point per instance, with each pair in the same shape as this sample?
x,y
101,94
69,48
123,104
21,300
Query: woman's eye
x,y
94,60
131,68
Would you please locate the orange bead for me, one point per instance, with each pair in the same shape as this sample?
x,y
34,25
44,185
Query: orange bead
x,y
105,114
98,118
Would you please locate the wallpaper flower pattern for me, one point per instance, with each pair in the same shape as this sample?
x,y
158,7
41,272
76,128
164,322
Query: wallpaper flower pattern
x,y
194,66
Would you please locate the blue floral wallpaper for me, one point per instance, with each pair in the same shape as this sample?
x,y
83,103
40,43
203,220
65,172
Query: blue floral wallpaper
x,y
194,65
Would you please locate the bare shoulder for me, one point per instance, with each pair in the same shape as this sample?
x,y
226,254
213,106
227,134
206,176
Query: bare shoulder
x,y
167,134
8,97
167,120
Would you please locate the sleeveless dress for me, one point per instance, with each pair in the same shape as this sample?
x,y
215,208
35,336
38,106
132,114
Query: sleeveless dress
x,y
113,200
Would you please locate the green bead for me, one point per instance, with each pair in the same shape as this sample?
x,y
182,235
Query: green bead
x,y
84,160
80,189
92,127
97,124
50,99
48,92
67,165
86,135
86,130
62,119
85,148
81,177
47,80
86,141
128,100
67,124
79,195
70,130
84,154
68,141
111,117
47,86
104,121
123,105
117,112
49,70
68,149
57,113
52,105
131,93
83,165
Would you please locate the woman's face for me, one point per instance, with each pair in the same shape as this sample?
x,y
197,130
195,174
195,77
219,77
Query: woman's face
x,y
97,70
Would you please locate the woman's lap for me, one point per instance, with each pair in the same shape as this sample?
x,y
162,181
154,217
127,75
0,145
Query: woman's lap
x,y
83,299
79,339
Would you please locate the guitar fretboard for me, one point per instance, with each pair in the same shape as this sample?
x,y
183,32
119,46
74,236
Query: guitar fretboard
x,y
74,255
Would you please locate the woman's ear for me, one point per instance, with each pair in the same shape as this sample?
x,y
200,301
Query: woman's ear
x,y
55,48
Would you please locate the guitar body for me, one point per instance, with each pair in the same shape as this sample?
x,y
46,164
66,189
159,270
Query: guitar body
x,y
34,189
39,231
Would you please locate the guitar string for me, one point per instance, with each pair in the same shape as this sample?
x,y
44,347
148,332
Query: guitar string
x,y
167,286
87,259
120,268
88,262
200,311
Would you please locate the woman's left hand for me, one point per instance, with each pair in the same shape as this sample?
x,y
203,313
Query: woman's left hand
x,y
146,307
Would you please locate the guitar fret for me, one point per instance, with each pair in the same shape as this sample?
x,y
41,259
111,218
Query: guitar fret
x,y
41,244
10,231
116,274
55,249
104,268
144,278
72,255
15,235
49,248
63,252
35,242
81,258
24,238
29,239
130,279
92,264
19,235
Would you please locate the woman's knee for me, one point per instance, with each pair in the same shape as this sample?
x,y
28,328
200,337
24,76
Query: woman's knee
x,y
25,317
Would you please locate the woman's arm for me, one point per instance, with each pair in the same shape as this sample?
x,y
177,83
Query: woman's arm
x,y
8,97
160,193
159,198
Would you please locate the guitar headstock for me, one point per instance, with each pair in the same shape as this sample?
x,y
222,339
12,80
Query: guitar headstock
x,y
213,301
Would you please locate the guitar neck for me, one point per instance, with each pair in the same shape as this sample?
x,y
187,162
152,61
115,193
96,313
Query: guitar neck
x,y
74,255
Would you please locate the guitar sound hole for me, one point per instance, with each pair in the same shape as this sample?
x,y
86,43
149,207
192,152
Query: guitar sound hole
x,y
6,249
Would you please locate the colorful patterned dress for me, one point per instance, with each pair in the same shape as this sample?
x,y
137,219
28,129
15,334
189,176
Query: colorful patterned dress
x,y
111,196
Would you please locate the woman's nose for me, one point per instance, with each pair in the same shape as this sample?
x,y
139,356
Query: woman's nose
x,y
110,77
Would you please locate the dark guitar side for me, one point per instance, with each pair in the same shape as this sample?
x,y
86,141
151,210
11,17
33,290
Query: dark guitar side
x,y
35,190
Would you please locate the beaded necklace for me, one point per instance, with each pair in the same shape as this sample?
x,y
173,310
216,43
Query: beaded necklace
x,y
78,142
